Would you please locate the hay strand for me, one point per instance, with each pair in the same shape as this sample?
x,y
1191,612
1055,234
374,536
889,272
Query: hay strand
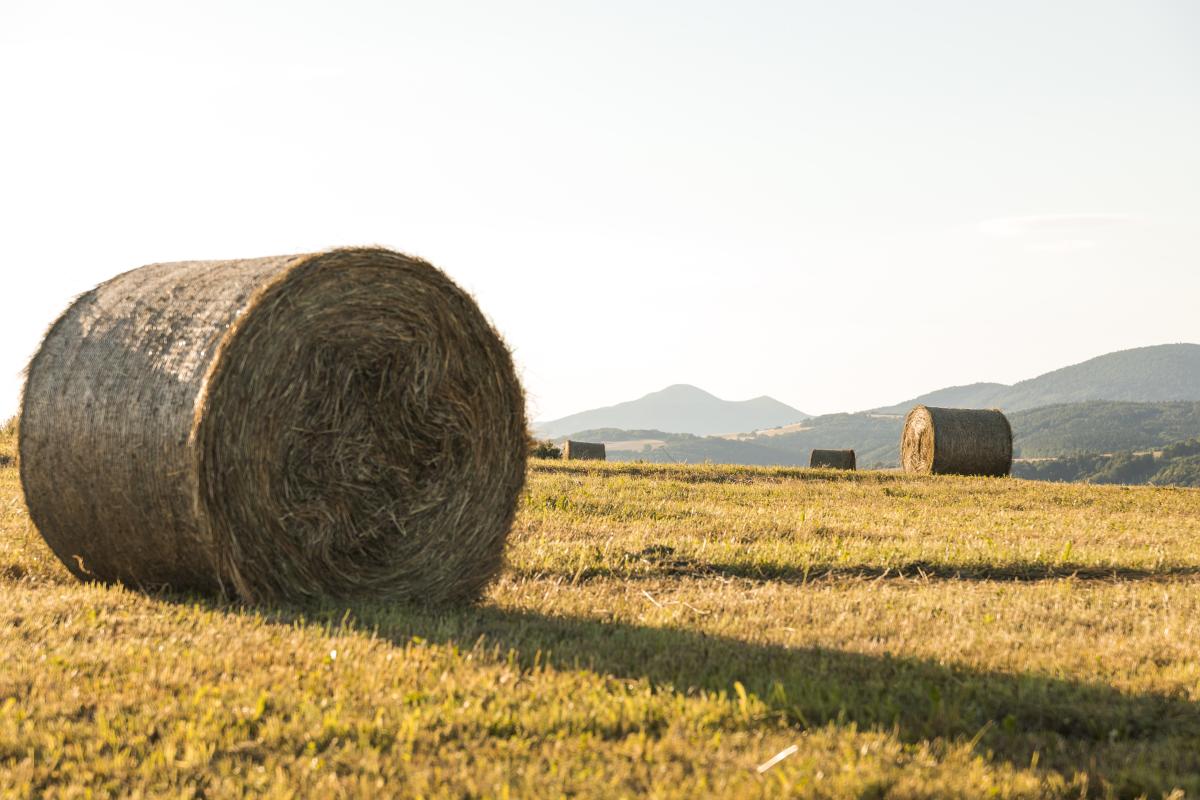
x,y
956,441
832,459
338,424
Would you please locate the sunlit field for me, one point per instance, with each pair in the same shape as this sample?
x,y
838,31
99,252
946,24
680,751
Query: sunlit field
x,y
659,631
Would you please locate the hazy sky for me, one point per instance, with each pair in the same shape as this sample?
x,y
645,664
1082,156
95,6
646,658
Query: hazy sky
x,y
837,204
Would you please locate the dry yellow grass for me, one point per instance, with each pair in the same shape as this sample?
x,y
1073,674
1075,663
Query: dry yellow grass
x,y
659,631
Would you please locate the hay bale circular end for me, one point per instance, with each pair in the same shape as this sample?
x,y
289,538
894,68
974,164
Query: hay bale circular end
x,y
335,424
832,459
956,441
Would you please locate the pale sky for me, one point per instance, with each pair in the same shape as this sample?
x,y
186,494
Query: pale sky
x,y
841,205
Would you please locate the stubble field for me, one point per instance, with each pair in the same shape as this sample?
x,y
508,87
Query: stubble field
x,y
659,631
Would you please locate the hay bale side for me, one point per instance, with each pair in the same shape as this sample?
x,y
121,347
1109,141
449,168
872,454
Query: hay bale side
x,y
584,451
832,459
956,441
341,423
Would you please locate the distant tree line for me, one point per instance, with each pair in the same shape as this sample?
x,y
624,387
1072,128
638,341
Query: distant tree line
x,y
1174,465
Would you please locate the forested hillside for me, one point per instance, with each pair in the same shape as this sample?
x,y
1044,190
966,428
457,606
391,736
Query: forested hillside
x,y
1103,427
1176,465
1162,373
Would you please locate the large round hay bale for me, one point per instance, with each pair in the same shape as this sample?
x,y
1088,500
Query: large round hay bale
x,y
340,424
956,441
832,459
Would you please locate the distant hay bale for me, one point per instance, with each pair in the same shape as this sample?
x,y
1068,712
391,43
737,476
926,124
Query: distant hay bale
x,y
832,459
956,441
339,424
584,451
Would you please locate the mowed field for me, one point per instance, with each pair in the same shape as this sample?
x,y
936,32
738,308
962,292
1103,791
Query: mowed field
x,y
660,631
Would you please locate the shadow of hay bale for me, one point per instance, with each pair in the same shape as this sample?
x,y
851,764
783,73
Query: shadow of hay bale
x,y
1008,716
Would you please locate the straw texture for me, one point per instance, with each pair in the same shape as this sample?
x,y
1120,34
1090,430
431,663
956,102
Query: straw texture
x,y
584,451
956,441
832,459
340,423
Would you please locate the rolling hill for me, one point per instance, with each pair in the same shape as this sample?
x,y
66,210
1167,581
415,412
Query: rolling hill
x,y
1130,400
678,409
1162,373
1145,374
1051,432
1102,427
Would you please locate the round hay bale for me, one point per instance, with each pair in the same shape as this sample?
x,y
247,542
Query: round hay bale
x,y
956,441
584,451
832,459
339,424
